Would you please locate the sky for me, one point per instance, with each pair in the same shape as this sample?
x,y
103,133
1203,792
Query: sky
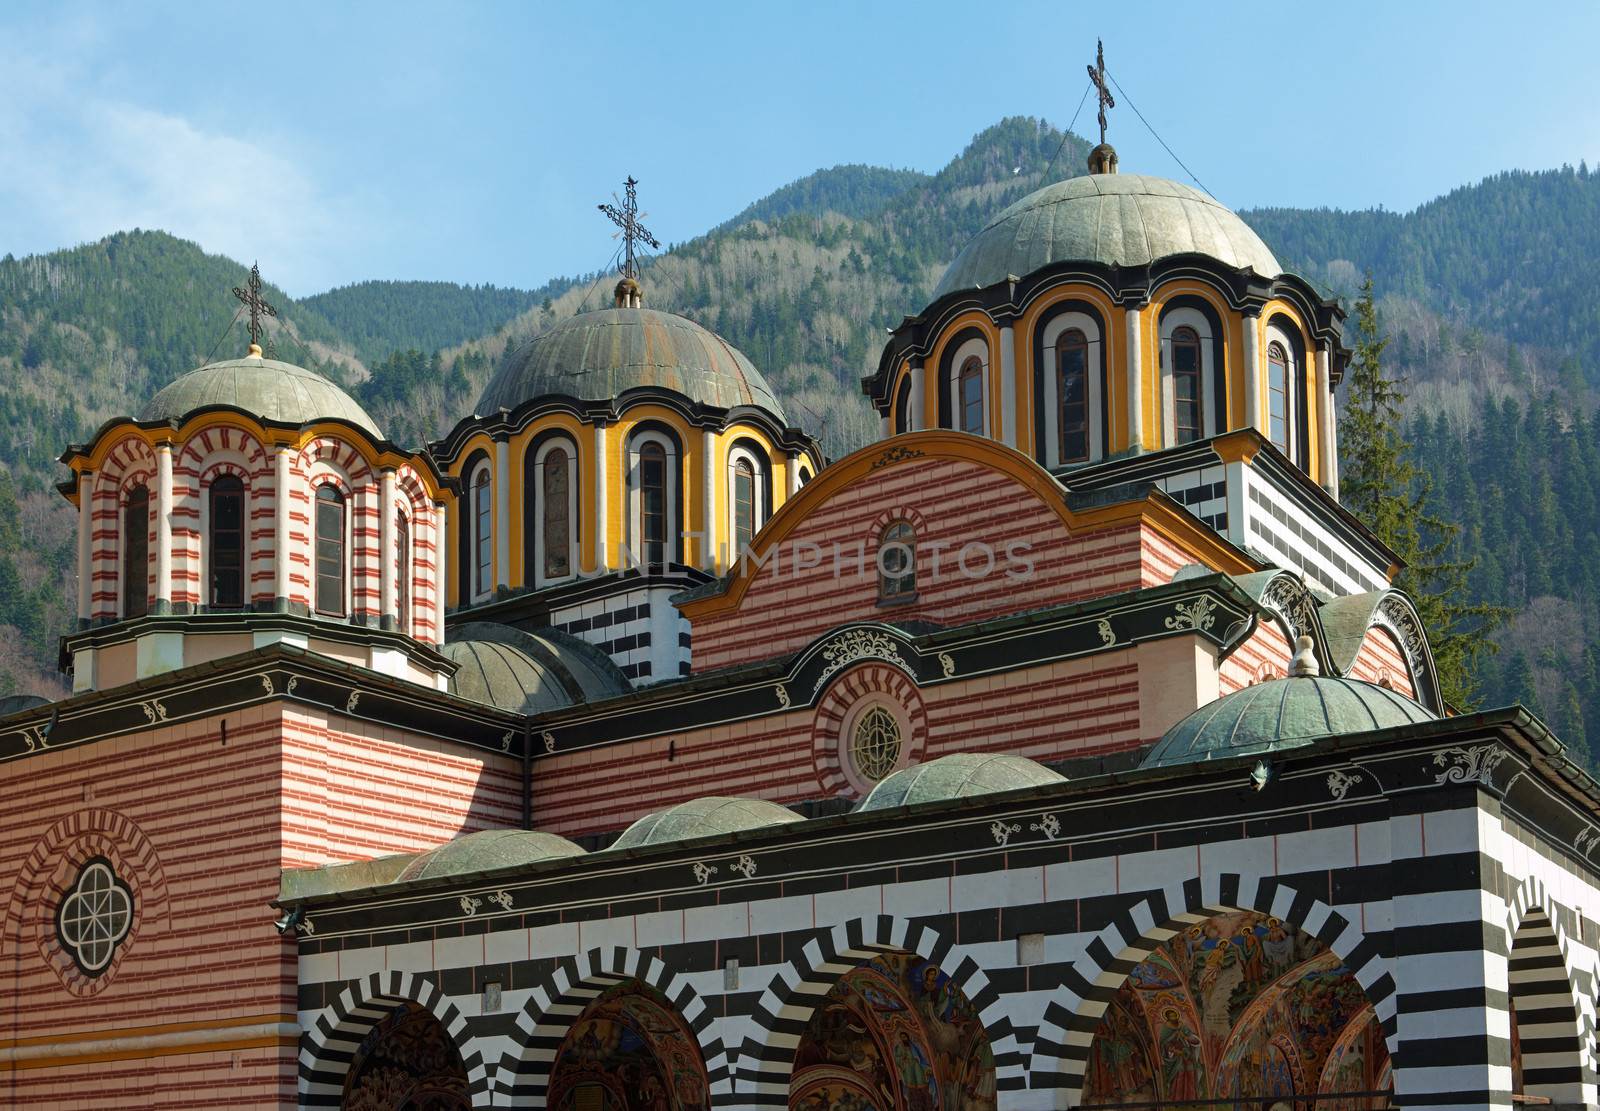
x,y
470,142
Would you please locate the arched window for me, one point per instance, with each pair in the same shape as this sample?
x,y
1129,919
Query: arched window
x,y
744,505
402,572
970,393
903,419
330,551
874,743
1278,396
1188,393
136,552
805,475
555,481
482,525
1072,389
897,562
227,542
653,504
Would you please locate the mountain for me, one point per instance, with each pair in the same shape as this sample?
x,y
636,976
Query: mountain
x,y
1489,296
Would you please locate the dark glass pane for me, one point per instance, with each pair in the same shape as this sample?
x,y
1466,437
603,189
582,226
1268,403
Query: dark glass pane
x,y
227,542
972,398
557,514
402,572
744,507
482,535
1074,397
136,554
653,504
898,562
330,551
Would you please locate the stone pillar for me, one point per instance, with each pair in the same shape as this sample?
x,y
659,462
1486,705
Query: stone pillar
x,y
708,495
600,514
282,507
1135,369
85,548
794,480
388,581
441,567
1326,418
163,599
502,512
919,399
1008,386
1251,356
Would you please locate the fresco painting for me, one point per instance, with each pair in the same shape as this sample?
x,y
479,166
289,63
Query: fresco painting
x,y
894,1034
629,1051
1241,1005
407,1062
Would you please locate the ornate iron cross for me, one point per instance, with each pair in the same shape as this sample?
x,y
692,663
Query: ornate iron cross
x,y
1097,74
627,218
251,296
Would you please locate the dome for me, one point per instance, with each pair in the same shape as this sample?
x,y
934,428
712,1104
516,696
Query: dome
x,y
705,817
486,851
1282,714
1114,219
527,673
596,356
264,388
958,776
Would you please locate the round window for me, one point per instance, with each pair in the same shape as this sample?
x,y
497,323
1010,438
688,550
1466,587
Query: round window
x,y
95,916
875,743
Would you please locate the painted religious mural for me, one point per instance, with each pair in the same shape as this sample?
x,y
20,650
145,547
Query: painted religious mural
x,y
407,1062
629,1051
894,1034
1241,1005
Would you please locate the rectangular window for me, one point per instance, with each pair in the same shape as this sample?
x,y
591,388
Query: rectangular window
x,y
653,506
136,554
1074,415
227,543
330,552
483,573
557,516
402,572
1186,392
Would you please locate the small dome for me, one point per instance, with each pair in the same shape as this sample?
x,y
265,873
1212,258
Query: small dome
x,y
265,388
1282,714
16,703
527,673
596,356
705,817
486,851
1114,219
957,776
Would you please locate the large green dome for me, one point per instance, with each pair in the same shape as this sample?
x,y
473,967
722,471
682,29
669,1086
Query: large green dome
x,y
1113,219
1282,714
264,388
596,356
959,775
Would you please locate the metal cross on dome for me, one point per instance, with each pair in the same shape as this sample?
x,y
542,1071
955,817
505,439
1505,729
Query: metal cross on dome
x,y
1097,74
627,218
251,296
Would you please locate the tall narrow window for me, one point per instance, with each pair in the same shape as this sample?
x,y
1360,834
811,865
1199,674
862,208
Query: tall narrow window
x,y
330,551
402,572
897,562
971,394
482,534
556,481
1188,397
1072,351
653,504
903,421
227,542
1278,396
744,505
136,553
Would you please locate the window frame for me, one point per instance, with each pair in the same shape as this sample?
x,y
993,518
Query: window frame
x,y
1065,343
403,602
1186,336
671,455
1280,363
538,538
896,589
744,454
212,547
903,418
854,717
342,501
136,494
971,374
480,532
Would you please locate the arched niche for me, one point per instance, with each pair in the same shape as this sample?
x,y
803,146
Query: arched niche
x,y
1051,341
407,1062
629,1050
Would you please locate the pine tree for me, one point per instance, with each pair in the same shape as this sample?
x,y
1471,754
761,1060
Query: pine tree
x,y
1383,485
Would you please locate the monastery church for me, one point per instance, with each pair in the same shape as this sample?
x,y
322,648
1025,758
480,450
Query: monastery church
x,y
1067,747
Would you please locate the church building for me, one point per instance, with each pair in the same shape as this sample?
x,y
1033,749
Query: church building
x,y
1066,747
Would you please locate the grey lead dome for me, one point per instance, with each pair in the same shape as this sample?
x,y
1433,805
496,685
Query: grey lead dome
x,y
265,388
598,355
1114,219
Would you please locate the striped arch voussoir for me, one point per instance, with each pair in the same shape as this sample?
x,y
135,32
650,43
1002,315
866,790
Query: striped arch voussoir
x,y
328,1046
1061,1052
786,1006
1555,1014
560,997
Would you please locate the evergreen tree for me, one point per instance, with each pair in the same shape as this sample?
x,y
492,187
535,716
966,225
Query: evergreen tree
x,y
1383,485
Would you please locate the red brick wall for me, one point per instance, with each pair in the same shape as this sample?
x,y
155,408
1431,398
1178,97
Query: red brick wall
x,y
1381,661
1265,655
952,502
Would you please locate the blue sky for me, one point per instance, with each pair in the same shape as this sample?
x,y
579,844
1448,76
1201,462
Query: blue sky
x,y
470,142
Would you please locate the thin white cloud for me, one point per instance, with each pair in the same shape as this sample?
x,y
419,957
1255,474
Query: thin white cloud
x,y
76,166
